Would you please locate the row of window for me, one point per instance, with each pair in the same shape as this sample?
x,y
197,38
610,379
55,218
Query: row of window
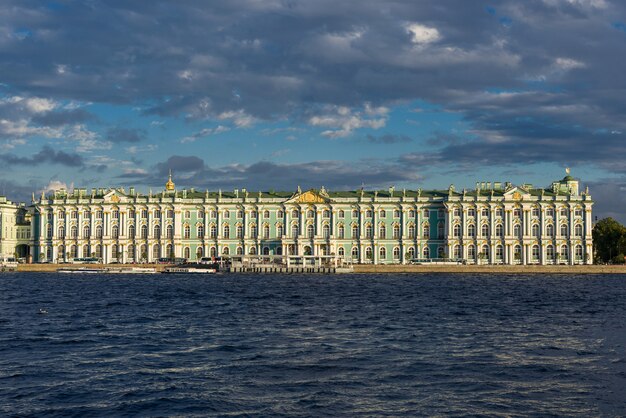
x,y
517,212
552,253
310,231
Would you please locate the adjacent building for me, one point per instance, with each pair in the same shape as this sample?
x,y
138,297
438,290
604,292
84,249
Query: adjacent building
x,y
494,223
15,229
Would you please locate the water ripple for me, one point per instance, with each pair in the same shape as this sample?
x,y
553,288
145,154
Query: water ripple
x,y
372,345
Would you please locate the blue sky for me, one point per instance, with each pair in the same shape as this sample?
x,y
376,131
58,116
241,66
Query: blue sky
x,y
274,94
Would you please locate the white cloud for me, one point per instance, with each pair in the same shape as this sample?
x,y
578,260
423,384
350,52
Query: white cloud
x,y
204,133
21,128
345,121
566,64
421,34
239,117
55,185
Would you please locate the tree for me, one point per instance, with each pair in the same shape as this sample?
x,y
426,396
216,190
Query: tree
x,y
609,238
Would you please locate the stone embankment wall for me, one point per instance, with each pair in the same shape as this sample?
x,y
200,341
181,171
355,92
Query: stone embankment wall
x,y
580,269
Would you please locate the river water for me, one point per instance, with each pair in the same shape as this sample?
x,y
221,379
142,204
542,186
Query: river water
x,y
312,345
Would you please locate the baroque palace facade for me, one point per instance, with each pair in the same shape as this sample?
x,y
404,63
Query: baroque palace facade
x,y
492,224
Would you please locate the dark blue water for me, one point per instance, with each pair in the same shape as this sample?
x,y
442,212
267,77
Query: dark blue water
x,y
369,345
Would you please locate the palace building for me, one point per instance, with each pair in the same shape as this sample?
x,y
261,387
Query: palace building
x,y
495,223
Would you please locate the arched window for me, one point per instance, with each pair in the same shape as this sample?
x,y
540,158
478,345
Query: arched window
x,y
383,214
280,214
341,232
86,251
550,212
355,214
325,213
499,252
199,253
157,231
457,251
253,231
74,232
411,214
440,230
294,214
326,231
485,213
156,252
564,230
578,252
295,230
239,251
517,230
252,251
471,213
368,254
279,250
411,231
499,212
535,230
485,252
213,252
382,253
187,232
341,252
499,230
471,230
578,230
144,231
187,253
426,252
310,214
213,215
426,213
550,230
426,231
130,250
253,214
225,251
517,253
266,214
535,252
535,212
456,230
143,252
279,231
240,214
239,231
382,232
368,213
396,213
471,252
266,231
340,214
456,212
355,231
310,231
169,251
131,232
49,231
200,231
74,251
226,231
411,253
115,232
484,230
86,231
355,253
369,231
396,253
213,231
564,252
396,231
550,252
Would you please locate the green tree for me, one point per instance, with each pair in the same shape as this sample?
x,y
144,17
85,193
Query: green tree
x,y
609,240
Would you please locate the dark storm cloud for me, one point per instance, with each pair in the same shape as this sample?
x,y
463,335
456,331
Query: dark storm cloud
x,y
118,134
275,59
337,175
47,155
63,117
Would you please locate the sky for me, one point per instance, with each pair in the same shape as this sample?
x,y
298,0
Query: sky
x,y
276,94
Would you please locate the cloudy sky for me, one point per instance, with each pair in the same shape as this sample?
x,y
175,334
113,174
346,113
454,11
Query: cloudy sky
x,y
272,94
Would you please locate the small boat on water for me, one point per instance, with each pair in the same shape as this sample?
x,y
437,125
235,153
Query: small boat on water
x,y
81,270
192,268
109,270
